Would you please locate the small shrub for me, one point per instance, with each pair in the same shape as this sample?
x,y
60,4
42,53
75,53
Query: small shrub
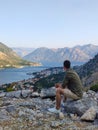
x,y
9,89
94,88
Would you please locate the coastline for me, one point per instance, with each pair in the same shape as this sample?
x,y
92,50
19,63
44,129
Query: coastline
x,y
10,75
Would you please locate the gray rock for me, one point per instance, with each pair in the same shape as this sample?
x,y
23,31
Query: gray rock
x,y
48,93
21,113
1,128
31,117
26,93
97,113
55,124
27,104
30,111
39,115
89,115
96,122
92,127
10,108
10,94
2,94
16,94
4,115
35,94
79,107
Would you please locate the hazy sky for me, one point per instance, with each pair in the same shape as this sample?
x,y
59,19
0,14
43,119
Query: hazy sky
x,y
48,23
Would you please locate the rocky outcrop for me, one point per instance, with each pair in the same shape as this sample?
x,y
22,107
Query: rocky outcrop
x,y
79,107
48,93
89,115
25,112
13,94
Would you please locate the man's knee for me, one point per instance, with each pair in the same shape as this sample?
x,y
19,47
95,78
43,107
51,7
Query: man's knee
x,y
58,90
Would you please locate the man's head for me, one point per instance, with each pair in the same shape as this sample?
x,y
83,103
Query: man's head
x,y
66,64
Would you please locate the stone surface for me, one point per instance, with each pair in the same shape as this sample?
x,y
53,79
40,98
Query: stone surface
x,y
79,107
89,115
18,113
35,94
26,93
2,94
47,93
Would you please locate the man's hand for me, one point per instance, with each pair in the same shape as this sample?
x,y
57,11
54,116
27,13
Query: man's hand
x,y
58,85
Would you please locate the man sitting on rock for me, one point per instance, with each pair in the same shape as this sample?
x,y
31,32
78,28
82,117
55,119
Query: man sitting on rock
x,y
70,88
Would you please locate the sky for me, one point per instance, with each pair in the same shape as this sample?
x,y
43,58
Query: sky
x,y
48,23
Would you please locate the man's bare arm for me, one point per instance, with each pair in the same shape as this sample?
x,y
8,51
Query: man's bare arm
x,y
58,85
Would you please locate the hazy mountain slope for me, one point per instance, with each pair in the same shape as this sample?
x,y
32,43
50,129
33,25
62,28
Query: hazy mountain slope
x,y
44,55
22,51
89,67
89,49
89,71
8,58
73,54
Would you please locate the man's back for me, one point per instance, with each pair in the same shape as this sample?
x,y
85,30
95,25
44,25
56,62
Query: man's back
x,y
73,82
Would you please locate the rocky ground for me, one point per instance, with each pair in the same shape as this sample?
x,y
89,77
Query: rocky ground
x,y
29,113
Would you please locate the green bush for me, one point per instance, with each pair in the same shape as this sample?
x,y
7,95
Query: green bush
x,y
94,88
9,89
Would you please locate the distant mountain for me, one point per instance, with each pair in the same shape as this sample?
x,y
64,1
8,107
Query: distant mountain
x,y
22,51
8,58
55,57
45,56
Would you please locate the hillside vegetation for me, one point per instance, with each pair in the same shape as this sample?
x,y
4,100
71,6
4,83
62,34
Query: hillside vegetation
x,y
8,58
89,72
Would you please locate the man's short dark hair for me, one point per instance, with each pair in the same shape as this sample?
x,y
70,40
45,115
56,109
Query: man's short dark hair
x,y
67,64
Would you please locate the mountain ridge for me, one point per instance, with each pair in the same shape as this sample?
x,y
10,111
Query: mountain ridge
x,y
23,51
77,54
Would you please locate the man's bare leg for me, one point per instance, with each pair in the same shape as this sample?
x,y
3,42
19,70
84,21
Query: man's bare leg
x,y
64,98
59,93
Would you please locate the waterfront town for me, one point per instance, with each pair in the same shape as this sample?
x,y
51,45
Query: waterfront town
x,y
29,83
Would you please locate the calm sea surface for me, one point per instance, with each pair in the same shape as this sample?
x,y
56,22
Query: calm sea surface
x,y
14,74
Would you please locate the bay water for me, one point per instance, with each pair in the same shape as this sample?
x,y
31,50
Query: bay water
x,y
9,75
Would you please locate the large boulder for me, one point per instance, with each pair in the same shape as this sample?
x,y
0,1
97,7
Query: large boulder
x,y
2,94
26,93
79,107
97,113
14,94
35,94
89,115
48,93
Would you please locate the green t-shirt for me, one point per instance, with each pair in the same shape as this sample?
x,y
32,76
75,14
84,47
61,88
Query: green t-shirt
x,y
73,82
